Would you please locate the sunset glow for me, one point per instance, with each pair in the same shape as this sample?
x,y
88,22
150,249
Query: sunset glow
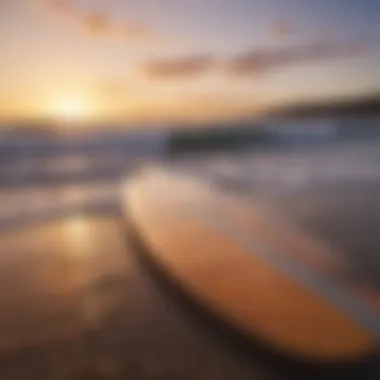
x,y
72,109
99,60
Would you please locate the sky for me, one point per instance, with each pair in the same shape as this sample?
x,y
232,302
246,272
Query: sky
x,y
159,60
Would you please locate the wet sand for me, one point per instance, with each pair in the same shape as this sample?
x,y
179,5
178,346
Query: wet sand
x,y
77,304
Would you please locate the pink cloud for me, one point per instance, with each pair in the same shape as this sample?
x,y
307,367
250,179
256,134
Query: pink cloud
x,y
182,67
261,61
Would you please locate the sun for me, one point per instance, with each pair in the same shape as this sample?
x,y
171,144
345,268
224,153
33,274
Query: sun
x,y
71,109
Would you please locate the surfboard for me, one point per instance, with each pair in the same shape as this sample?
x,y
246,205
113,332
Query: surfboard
x,y
253,269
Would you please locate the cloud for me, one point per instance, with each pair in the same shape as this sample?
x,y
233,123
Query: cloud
x,y
182,67
63,6
280,29
98,23
263,61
